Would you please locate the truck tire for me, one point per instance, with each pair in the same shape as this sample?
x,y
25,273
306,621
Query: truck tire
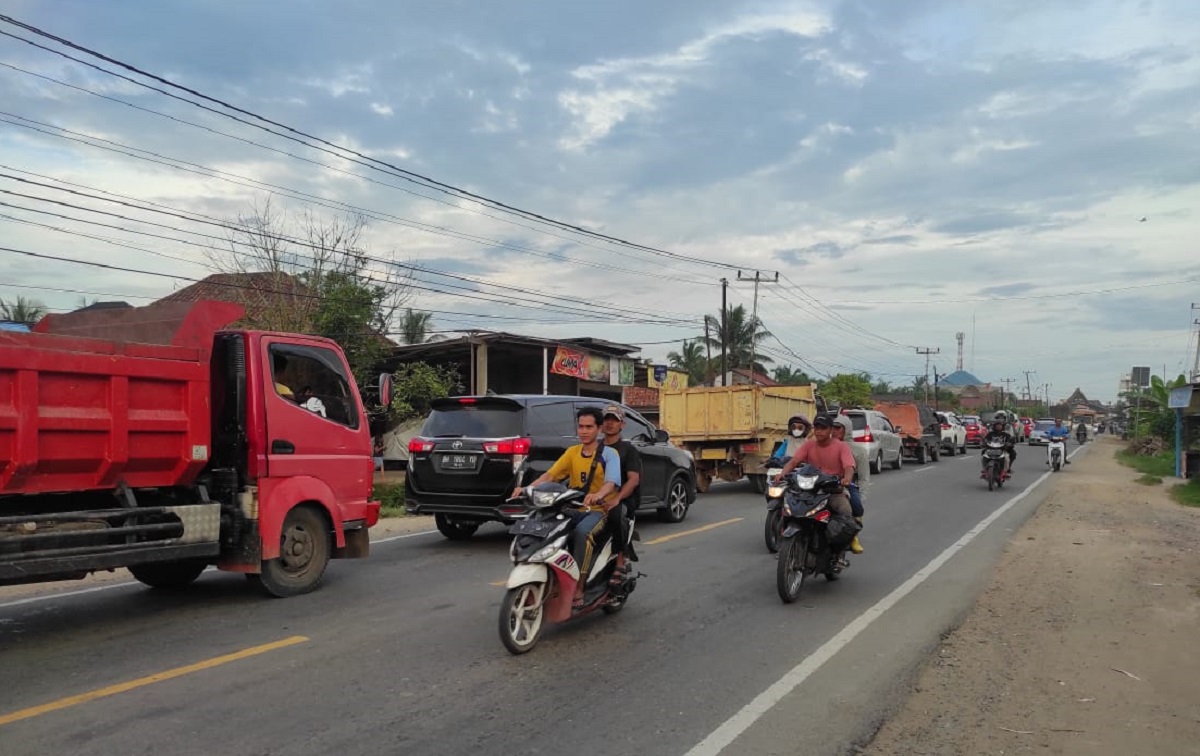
x,y
935,452
899,460
758,483
921,454
703,482
169,576
454,528
304,551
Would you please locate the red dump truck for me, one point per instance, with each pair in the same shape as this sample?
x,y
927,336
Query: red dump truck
x,y
150,438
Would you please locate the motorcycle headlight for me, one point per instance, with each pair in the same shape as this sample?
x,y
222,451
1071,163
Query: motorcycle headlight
x,y
774,492
806,482
543,499
549,549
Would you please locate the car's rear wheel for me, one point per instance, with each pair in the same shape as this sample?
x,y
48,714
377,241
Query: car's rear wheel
x,y
951,450
899,460
876,464
676,507
454,528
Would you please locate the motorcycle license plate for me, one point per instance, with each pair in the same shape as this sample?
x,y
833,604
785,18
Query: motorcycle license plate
x,y
532,527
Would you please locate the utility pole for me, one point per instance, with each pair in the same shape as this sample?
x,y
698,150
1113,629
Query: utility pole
x,y
708,365
927,351
1028,388
1195,376
935,385
724,307
1007,385
754,315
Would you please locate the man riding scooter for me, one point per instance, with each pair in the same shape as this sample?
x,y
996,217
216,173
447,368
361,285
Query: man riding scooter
x,y
999,432
1061,433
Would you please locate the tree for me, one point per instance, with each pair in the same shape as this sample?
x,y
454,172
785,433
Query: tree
x,y
414,327
691,360
417,384
22,310
882,388
319,279
742,337
847,390
789,376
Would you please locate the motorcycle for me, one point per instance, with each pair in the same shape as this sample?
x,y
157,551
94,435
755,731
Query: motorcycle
x,y
772,528
809,543
993,465
1056,452
1081,436
541,587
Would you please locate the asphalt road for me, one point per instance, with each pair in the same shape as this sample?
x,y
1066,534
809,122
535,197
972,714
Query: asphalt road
x,y
399,653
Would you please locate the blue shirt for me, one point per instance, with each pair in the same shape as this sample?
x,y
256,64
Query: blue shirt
x,y
1058,432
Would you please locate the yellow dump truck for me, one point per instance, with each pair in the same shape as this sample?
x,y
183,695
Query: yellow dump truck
x,y
731,430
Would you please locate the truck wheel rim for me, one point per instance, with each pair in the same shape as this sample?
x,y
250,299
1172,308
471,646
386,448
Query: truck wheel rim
x,y
297,549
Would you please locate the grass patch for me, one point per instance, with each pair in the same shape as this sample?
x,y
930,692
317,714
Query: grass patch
x,y
1187,494
391,497
1150,480
1161,464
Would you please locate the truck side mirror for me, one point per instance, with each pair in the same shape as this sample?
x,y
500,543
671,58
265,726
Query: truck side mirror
x,y
661,436
387,390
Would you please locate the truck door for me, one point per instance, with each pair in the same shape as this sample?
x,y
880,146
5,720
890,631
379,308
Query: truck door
x,y
315,425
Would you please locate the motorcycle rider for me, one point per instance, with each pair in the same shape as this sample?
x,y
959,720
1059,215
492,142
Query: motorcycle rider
x,y
1081,432
862,474
999,432
577,466
629,497
798,430
830,456
1059,432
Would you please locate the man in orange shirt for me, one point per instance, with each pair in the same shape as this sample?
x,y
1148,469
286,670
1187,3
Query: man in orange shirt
x,y
830,456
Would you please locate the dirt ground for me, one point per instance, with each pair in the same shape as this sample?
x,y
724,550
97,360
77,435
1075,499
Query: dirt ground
x,y
1087,640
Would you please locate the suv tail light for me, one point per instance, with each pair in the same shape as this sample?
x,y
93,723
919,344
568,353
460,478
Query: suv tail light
x,y
945,426
508,446
864,436
418,445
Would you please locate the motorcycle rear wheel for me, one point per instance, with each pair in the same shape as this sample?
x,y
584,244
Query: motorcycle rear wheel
x,y
521,626
789,571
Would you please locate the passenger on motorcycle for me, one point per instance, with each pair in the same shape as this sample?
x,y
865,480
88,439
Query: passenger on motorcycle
x,y
1059,432
577,468
999,432
629,497
832,457
862,474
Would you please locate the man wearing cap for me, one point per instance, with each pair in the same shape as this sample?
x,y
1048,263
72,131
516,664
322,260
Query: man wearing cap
x,y
843,428
830,456
629,497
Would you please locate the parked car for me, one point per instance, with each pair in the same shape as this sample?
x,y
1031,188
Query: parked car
x,y
954,434
464,462
875,431
975,430
1037,437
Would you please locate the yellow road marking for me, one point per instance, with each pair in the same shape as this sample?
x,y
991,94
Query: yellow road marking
x,y
673,536
499,583
112,690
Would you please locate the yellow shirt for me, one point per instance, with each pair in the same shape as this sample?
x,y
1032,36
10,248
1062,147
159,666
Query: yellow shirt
x,y
572,469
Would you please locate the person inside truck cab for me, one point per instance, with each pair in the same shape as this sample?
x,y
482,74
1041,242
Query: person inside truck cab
x,y
279,369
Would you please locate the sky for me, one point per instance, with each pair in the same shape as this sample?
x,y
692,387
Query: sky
x,y
1024,173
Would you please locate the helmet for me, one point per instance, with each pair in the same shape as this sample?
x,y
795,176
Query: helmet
x,y
798,419
1000,417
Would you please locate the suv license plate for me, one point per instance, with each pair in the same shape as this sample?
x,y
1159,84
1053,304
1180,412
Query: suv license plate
x,y
458,461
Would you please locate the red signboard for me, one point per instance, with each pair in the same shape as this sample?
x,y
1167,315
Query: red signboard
x,y
569,362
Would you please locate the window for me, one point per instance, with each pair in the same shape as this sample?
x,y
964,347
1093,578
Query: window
x,y
474,421
551,419
315,379
635,427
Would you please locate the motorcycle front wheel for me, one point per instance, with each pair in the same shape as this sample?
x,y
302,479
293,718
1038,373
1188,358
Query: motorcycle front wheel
x,y
771,531
522,616
789,571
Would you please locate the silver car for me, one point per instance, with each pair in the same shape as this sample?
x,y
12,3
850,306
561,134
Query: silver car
x,y
1037,437
874,431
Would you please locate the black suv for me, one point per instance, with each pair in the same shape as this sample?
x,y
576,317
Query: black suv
x,y
463,465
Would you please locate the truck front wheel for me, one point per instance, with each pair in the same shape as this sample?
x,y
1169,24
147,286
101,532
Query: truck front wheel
x,y
304,550
168,575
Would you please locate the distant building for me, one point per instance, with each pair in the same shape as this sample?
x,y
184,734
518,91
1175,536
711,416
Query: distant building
x,y
745,377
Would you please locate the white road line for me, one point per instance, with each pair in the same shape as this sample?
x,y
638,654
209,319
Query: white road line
x,y
110,586
922,469
724,735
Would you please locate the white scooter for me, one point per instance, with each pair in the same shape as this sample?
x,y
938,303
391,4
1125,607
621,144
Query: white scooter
x,y
542,584
1056,453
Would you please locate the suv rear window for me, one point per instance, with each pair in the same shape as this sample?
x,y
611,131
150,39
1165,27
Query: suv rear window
x,y
858,422
473,421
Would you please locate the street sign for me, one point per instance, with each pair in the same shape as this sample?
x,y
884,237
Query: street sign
x,y
1180,398
1140,377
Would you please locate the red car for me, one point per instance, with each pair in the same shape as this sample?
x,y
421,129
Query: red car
x,y
975,430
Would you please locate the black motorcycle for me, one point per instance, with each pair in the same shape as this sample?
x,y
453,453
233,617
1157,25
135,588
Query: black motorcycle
x,y
993,465
814,539
773,527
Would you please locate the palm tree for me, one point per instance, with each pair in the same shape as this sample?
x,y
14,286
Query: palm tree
x,y
743,337
22,310
691,360
414,326
790,376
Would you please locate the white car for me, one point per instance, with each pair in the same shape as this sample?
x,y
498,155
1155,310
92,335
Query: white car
x,y
954,433
878,436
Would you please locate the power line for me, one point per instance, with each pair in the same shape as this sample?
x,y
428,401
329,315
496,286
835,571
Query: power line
x,y
300,136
